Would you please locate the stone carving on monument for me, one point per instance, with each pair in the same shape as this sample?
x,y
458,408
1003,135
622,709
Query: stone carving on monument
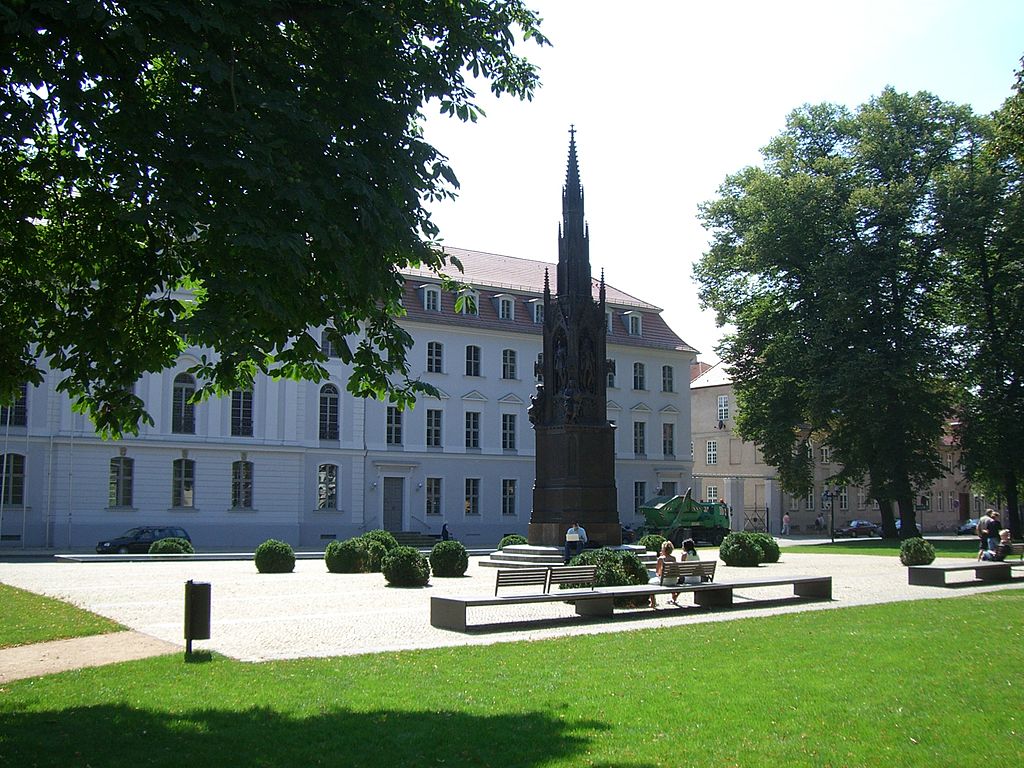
x,y
575,442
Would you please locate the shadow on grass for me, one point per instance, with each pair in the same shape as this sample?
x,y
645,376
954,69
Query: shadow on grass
x,y
118,735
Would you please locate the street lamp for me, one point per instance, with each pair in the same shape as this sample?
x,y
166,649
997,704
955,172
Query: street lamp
x,y
829,496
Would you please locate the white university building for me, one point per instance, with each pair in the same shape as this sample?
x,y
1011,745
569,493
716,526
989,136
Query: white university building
x,y
307,462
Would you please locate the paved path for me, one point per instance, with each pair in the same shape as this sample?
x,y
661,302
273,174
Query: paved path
x,y
313,613
94,651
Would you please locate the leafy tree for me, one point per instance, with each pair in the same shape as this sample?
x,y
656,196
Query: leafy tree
x,y
982,210
226,175
826,261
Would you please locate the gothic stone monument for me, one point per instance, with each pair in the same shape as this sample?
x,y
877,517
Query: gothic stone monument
x,y
575,443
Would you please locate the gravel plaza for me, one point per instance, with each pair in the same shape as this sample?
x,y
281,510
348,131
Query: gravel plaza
x,y
313,613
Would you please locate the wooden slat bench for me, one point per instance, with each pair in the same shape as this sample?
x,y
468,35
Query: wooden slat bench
x,y
984,570
450,612
672,573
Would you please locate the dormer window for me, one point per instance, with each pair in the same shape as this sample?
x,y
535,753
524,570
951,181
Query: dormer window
x,y
431,298
505,306
536,310
634,322
470,303
608,323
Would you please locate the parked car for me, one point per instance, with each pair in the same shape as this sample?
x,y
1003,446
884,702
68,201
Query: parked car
x,y
857,528
968,527
136,540
899,523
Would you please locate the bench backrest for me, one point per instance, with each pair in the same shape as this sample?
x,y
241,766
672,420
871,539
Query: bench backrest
x,y
1017,549
522,577
672,572
572,574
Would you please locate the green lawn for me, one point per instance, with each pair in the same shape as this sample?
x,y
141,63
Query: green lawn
x,y
886,685
962,547
29,618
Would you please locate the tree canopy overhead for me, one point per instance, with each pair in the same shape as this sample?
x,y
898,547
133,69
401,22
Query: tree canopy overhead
x,y
827,261
226,175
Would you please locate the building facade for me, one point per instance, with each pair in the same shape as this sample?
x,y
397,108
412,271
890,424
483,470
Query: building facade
x,y
732,470
307,462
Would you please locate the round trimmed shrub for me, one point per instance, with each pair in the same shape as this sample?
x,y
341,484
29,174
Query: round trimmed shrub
x,y
449,558
375,552
273,556
614,568
171,546
741,550
916,551
769,546
405,567
651,542
349,556
384,537
512,538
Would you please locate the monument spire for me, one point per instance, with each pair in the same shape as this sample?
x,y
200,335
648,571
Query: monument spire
x,y
573,236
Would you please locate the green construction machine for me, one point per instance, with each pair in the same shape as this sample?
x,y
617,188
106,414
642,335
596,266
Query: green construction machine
x,y
680,517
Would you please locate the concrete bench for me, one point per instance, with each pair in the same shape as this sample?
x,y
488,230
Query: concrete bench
x,y
450,612
984,570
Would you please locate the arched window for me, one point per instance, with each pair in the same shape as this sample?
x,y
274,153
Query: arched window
x,y
183,414
12,479
329,412
327,486
327,346
183,483
122,470
241,485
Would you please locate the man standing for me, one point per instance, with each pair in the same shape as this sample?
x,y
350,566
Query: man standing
x,y
982,531
575,540
785,524
993,528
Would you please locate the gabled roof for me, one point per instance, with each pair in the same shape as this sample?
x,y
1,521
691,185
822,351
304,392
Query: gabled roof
x,y
715,376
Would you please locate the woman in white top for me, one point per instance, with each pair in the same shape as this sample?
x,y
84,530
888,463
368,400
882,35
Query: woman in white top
x,y
690,553
666,555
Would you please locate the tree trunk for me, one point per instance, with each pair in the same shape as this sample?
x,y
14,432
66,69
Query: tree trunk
x,y
888,521
1012,502
908,518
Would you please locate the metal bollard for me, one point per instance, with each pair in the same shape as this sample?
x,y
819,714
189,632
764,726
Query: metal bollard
x,y
197,613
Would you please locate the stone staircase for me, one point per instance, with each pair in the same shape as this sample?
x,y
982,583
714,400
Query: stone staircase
x,y
416,539
530,556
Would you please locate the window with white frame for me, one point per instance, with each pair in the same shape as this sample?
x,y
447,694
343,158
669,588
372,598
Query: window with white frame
x,y
433,496
16,414
809,501
639,438
472,429
508,431
668,488
711,494
794,503
327,345
472,495
538,368
636,327
122,470
327,486
241,484
639,376
434,416
639,495
939,501
12,479
329,403
508,363
393,432
668,439
472,360
432,298
952,500
723,407
712,452
861,498
844,498
538,312
611,374
609,322
506,308
667,376
183,483
826,454
470,303
508,497
241,413
435,357
183,414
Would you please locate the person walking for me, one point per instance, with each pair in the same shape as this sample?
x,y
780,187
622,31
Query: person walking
x,y
785,524
993,528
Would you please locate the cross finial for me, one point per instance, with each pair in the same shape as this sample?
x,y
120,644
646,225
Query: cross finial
x,y
572,130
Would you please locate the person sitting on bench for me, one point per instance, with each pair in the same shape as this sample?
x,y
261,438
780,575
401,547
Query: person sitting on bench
x,y
1002,548
666,556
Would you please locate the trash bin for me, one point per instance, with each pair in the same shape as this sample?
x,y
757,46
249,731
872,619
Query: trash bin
x,y
197,612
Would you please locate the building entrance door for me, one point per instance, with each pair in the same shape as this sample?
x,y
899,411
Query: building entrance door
x,y
394,498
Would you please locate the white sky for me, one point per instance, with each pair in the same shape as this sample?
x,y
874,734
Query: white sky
x,y
669,97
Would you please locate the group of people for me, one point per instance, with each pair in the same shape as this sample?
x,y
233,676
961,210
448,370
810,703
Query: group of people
x,y
993,539
689,547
